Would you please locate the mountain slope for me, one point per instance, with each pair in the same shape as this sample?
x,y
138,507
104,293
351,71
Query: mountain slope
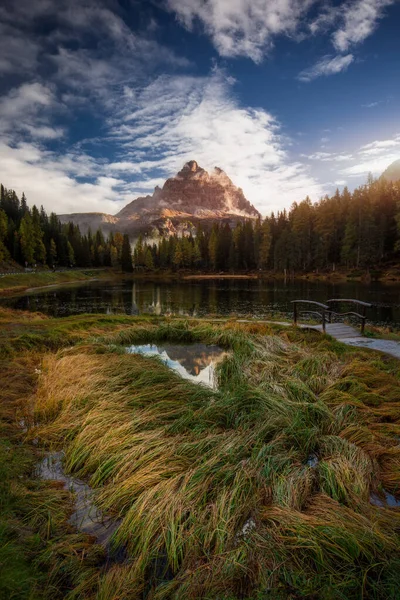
x,y
392,173
192,195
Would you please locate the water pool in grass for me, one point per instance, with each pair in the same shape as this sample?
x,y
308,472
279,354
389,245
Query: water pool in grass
x,y
195,362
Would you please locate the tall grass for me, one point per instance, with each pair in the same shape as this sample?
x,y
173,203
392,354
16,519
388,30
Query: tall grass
x,y
216,492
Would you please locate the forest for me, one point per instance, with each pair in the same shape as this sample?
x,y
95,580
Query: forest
x,y
359,230
30,237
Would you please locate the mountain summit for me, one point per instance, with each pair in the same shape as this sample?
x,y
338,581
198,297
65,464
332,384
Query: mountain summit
x,y
193,195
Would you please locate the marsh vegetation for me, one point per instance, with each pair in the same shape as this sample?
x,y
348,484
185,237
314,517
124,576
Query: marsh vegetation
x,y
264,488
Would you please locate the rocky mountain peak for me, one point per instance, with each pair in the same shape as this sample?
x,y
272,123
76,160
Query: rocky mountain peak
x,y
189,169
193,195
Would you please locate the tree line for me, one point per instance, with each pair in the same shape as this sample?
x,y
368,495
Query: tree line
x,y
348,230
359,230
31,237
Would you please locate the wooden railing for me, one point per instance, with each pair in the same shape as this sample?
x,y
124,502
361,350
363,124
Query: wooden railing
x,y
326,311
362,316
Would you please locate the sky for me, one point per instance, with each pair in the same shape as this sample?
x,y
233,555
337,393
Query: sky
x,y
102,100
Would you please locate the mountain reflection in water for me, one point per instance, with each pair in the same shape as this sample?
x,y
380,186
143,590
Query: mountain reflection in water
x,y
196,362
258,298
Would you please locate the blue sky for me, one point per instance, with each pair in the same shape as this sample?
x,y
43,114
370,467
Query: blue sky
x,y
102,100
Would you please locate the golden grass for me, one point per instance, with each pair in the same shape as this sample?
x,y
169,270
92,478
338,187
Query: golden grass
x,y
213,489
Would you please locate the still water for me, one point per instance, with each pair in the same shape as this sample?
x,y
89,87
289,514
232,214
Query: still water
x,y
256,298
196,362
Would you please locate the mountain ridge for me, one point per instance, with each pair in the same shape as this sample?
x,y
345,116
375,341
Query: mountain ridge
x,y
192,195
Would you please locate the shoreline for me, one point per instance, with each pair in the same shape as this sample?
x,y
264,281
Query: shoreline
x,y
29,282
39,281
219,276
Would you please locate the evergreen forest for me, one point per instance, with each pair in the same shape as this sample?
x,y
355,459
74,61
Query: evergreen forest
x,y
30,237
359,230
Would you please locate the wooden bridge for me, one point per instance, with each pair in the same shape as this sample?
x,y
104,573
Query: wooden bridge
x,y
325,312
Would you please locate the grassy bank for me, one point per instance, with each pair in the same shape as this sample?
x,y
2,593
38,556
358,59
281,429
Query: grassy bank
x,y
22,282
259,490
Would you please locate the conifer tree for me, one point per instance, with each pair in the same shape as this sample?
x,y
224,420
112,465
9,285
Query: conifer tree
x,y
27,238
3,234
126,254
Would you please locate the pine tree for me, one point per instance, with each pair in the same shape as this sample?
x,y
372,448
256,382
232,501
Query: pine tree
x,y
27,239
264,245
126,254
39,248
213,248
3,235
53,253
148,259
71,255
178,255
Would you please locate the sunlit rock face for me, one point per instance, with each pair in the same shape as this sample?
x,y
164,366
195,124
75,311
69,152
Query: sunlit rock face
x,y
193,195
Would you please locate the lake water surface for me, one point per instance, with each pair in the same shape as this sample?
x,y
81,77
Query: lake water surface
x,y
253,297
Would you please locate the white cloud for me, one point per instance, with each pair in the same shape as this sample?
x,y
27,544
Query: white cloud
x,y
374,157
324,156
242,27
328,65
25,109
248,27
159,127
375,165
370,105
360,19
26,98
50,180
380,146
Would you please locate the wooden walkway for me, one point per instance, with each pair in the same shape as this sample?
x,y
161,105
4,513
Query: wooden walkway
x,y
339,331
351,336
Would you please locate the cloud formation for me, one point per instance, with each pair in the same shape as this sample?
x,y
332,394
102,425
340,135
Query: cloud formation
x,y
373,157
249,27
198,118
157,129
26,109
360,19
328,65
242,27
143,115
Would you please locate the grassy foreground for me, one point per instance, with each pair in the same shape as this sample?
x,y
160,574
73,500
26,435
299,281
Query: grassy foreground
x,y
259,490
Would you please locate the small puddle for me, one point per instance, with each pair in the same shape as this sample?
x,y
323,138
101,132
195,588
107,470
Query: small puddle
x,y
389,500
195,362
86,517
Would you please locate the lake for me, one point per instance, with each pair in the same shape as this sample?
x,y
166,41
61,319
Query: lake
x,y
197,298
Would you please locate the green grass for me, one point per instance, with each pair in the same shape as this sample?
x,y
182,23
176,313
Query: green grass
x,y
186,468
40,556
14,284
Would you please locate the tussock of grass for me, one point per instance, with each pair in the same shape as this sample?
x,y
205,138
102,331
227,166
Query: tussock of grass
x,y
33,514
214,490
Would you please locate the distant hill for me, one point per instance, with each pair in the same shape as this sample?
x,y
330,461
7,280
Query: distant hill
x,y
392,173
193,195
